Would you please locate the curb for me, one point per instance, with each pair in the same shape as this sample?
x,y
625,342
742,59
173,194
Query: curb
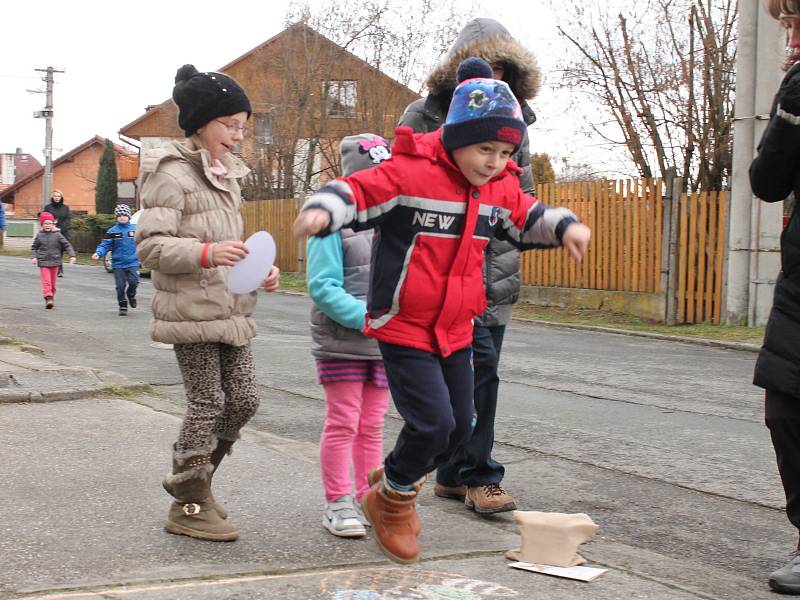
x,y
666,337
76,393
103,382
741,346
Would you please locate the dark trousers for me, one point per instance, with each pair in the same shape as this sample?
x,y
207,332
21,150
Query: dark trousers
x,y
65,233
472,463
434,396
126,278
782,416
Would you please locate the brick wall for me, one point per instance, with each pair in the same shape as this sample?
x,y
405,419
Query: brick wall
x,y
74,177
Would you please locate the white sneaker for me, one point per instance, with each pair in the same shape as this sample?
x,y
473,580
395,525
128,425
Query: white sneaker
x,y
362,518
341,519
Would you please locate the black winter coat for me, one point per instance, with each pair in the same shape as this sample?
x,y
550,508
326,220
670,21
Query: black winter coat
x,y
492,42
62,214
774,174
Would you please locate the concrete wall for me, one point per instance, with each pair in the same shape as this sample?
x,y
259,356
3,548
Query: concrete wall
x,y
20,242
639,304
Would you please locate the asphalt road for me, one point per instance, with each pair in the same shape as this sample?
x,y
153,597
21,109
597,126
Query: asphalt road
x,y
662,443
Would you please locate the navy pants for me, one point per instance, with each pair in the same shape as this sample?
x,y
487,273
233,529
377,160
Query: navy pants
x,y
126,278
472,463
782,417
434,396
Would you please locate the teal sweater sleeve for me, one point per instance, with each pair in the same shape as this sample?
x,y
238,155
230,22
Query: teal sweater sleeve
x,y
325,278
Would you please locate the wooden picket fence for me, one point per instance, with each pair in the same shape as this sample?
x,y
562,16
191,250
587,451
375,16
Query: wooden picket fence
x,y
276,216
625,253
702,221
631,222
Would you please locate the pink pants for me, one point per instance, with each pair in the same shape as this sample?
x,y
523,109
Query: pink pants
x,y
48,277
353,434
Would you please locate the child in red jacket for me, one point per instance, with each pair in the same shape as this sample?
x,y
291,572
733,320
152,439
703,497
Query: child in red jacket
x,y
435,204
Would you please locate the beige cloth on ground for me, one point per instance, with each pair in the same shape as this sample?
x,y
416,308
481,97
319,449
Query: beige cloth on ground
x,y
551,538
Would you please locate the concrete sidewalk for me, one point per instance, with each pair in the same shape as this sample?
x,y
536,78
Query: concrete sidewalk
x,y
83,511
27,375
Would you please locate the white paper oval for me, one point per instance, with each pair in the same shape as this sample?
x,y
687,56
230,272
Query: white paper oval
x,y
248,274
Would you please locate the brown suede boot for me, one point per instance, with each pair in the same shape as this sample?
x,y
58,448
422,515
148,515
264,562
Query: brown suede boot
x,y
192,513
221,451
458,492
391,513
223,448
376,476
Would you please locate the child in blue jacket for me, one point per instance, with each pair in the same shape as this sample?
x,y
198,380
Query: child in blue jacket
x,y
120,240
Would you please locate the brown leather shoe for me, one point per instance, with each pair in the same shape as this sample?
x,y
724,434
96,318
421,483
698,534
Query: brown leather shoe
x,y
458,492
390,513
489,499
376,476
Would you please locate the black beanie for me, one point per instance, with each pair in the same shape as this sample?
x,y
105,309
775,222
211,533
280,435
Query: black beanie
x,y
482,109
202,97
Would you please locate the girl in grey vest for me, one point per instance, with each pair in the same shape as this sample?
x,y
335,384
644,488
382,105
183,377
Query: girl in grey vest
x,y
349,365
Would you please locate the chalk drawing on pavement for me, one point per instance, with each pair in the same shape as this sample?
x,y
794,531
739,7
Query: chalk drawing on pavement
x,y
409,584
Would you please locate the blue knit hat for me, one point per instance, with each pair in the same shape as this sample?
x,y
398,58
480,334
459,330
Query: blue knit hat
x,y
122,210
482,109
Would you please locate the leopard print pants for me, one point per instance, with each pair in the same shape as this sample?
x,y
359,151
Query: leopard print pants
x,y
221,394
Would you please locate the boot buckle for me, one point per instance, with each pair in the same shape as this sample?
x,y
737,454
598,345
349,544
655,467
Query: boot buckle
x,y
191,509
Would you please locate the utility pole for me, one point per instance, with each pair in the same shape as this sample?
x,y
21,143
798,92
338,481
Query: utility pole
x,y
754,227
47,115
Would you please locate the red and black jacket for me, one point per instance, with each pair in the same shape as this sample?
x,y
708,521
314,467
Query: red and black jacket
x,y
432,227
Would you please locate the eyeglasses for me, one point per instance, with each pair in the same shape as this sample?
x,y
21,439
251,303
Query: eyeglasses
x,y
233,127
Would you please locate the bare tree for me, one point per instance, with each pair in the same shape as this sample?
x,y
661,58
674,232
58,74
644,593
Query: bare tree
x,y
570,171
295,140
664,71
542,168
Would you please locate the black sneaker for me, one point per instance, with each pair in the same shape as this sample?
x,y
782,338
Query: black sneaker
x,y
132,302
787,579
48,302
123,311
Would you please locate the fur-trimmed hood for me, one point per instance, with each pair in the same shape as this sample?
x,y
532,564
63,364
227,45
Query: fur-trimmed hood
x,y
492,42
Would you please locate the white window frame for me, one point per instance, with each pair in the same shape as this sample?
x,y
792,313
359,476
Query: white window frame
x,y
341,98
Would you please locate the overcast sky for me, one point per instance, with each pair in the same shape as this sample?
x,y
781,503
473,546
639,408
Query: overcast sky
x,y
119,58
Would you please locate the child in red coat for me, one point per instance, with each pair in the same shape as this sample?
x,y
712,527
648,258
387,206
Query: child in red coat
x,y
435,205
47,248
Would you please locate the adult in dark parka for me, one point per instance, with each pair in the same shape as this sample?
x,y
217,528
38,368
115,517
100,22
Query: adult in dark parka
x,y
472,474
59,209
774,174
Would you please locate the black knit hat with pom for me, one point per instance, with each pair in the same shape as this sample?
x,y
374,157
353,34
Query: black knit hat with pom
x,y
202,97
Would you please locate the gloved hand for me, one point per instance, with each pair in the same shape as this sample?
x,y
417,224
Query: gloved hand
x,y
789,92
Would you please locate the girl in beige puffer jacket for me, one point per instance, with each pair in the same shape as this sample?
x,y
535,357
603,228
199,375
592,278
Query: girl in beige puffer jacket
x,y
189,234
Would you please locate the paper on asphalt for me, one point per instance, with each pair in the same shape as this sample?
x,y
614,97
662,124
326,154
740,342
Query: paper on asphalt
x,y
579,573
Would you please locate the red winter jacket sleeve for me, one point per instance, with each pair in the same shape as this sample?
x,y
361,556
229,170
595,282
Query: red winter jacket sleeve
x,y
361,200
